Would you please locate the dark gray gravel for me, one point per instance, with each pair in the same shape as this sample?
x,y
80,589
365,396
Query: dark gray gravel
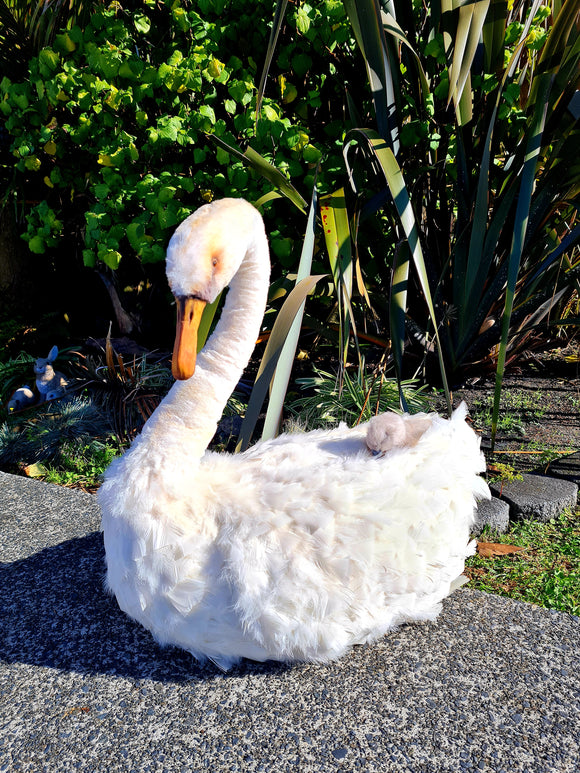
x,y
493,685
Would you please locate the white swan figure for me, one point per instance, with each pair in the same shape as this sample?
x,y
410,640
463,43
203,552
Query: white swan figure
x,y
300,547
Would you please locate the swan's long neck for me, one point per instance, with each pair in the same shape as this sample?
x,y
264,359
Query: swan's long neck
x,y
193,408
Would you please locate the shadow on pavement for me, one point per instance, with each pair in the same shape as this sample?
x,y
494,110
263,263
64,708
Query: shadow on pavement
x,y
55,612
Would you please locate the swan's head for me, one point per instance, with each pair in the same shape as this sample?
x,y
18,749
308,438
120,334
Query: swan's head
x,y
203,256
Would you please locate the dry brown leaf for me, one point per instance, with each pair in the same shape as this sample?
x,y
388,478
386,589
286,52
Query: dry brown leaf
x,y
489,549
35,470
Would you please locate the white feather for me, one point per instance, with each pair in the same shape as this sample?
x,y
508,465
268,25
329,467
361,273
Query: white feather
x,y
304,545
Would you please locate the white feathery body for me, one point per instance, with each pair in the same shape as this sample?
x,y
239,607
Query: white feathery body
x,y
298,548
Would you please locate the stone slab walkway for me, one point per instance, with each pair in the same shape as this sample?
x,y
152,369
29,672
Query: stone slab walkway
x,y
493,685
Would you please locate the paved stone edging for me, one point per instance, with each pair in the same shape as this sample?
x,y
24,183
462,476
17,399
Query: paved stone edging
x,y
537,496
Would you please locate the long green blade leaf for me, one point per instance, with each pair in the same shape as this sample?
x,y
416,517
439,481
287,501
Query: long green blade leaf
x,y
402,201
392,28
567,243
469,26
494,34
279,385
274,347
482,251
206,321
520,225
338,244
279,14
266,169
275,176
397,311
366,22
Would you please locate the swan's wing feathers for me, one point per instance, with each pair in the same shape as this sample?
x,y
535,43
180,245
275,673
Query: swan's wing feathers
x,y
332,542
296,549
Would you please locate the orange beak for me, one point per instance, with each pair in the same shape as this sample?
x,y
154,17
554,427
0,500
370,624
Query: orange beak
x,y
189,311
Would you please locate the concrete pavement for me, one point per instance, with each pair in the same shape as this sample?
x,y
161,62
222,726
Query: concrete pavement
x,y
492,685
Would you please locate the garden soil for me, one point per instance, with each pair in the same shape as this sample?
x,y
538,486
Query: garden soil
x,y
539,413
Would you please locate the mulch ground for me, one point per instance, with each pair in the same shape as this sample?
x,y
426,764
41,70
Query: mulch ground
x,y
540,410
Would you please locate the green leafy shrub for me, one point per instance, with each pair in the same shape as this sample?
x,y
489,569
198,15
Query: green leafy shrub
x,y
114,121
107,110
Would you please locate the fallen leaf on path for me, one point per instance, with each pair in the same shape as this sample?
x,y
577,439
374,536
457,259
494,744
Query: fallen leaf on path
x,y
489,549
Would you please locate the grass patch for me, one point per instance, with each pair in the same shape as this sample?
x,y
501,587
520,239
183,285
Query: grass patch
x,y
83,466
546,573
516,409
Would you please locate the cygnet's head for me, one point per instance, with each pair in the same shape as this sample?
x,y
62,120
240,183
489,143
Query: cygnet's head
x,y
385,432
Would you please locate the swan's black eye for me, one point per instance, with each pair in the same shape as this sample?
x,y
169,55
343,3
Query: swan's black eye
x,y
214,262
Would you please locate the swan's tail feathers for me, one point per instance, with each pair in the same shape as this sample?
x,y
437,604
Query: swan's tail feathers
x,y
458,582
460,413
224,664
